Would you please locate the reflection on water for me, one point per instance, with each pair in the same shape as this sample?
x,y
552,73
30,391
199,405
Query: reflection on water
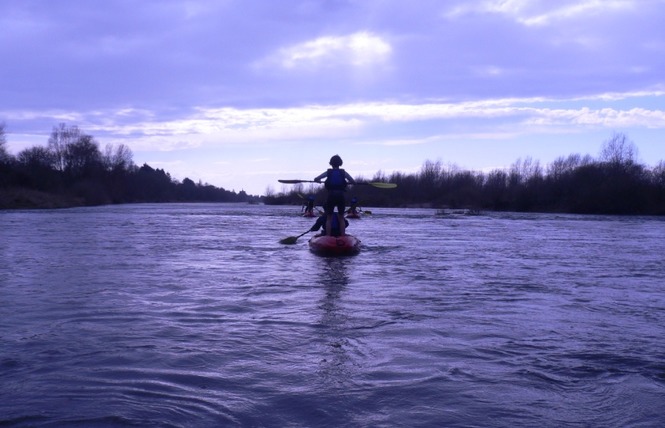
x,y
195,315
336,364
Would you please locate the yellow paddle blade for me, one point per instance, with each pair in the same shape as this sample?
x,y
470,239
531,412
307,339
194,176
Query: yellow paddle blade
x,y
382,185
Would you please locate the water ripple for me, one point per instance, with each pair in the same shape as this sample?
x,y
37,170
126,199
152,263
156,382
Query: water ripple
x,y
194,315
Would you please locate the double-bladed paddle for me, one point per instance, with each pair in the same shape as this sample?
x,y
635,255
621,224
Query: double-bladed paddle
x,y
377,184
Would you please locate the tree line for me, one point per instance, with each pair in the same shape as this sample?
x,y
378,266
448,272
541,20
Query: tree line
x,y
75,170
613,183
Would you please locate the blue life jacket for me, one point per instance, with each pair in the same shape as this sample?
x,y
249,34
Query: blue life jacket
x,y
336,179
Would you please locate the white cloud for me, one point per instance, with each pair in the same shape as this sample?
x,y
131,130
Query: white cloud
x,y
259,127
362,49
604,117
541,12
576,9
54,115
492,119
658,91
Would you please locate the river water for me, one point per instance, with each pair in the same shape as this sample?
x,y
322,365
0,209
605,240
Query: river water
x,y
194,315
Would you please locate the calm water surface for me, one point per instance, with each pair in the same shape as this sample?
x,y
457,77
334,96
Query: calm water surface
x,y
194,315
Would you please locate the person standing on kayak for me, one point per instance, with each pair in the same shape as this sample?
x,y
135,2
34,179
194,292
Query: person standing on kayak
x,y
336,181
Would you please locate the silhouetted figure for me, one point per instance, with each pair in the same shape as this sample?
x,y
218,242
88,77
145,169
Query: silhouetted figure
x,y
336,182
354,210
321,224
308,207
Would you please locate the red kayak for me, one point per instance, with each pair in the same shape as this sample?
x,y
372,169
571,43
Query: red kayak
x,y
353,215
346,245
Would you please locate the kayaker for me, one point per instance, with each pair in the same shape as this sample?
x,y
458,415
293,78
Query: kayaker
x,y
321,224
354,209
336,181
308,207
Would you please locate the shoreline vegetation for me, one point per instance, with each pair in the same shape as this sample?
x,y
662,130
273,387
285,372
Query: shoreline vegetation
x,y
73,171
615,183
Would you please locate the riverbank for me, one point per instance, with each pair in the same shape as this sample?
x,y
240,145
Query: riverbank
x,y
21,198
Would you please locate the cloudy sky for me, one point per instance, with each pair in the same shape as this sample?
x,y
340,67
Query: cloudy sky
x,y
239,93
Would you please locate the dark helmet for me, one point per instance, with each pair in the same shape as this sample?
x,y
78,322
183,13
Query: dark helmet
x,y
354,200
336,161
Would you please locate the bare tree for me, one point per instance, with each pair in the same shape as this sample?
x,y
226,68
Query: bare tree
x,y
658,174
430,173
618,150
4,154
522,171
82,156
35,157
117,158
61,137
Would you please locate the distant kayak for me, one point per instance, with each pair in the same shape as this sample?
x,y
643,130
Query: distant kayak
x,y
334,245
353,215
309,214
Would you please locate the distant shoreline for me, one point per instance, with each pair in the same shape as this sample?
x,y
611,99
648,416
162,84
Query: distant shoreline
x,y
21,198
29,199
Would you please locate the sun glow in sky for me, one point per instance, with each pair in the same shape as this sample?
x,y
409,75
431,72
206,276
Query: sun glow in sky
x,y
239,93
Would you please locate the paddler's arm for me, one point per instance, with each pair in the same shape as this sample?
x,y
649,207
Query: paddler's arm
x,y
349,178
